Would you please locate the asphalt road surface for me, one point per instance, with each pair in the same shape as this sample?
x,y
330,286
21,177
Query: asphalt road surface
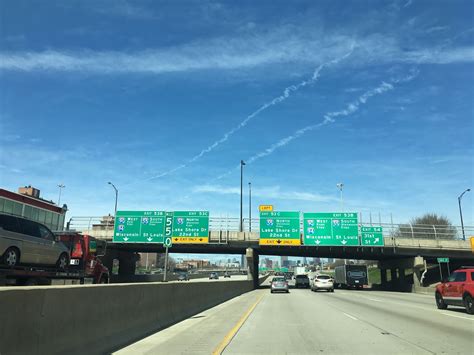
x,y
221,278
305,322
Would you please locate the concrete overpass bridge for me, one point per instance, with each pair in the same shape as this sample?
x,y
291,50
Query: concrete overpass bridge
x,y
405,247
397,255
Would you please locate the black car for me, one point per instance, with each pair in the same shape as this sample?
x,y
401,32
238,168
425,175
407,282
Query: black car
x,y
226,274
183,277
302,281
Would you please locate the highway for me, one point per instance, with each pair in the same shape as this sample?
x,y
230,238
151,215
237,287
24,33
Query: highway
x,y
221,278
305,322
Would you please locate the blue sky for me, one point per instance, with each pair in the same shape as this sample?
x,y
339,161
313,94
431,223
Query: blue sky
x,y
165,98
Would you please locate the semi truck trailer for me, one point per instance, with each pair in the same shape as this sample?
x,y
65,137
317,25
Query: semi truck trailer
x,y
351,276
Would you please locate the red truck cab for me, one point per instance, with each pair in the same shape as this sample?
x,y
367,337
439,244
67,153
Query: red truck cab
x,y
457,290
83,251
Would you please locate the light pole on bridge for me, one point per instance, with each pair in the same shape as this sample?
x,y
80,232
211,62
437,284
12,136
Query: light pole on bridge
x,y
116,198
250,206
460,212
340,186
242,163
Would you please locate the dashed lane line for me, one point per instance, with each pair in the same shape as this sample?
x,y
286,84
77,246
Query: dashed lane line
x,y
348,315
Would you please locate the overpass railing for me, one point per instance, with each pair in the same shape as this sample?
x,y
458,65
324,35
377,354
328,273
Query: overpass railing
x,y
224,229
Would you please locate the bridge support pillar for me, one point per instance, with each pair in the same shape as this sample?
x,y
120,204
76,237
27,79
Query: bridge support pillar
x,y
108,259
397,269
383,277
393,275
417,272
127,264
252,262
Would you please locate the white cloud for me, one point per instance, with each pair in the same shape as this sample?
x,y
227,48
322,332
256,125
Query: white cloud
x,y
219,53
436,29
270,192
121,8
246,52
10,137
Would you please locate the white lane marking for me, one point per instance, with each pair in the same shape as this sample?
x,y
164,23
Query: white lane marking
x,y
374,299
418,307
452,315
348,315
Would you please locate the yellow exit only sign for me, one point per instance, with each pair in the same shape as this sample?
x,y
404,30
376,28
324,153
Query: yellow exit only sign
x,y
265,208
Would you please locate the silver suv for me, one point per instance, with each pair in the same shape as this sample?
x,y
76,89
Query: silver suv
x,y
26,242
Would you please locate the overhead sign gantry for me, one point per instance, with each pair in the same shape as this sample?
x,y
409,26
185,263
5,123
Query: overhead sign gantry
x,y
153,226
280,228
331,229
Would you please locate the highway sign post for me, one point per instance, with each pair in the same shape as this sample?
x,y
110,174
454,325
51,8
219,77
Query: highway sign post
x,y
139,227
190,227
168,240
334,229
443,261
280,228
371,236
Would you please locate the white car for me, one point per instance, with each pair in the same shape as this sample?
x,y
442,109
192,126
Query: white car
x,y
323,282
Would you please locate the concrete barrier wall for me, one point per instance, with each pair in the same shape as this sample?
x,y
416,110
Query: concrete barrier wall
x,y
97,319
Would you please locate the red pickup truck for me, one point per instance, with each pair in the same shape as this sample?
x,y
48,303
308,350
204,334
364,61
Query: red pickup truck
x,y
458,290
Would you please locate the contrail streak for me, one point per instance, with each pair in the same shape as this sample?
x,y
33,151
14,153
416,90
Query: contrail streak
x,y
329,118
285,95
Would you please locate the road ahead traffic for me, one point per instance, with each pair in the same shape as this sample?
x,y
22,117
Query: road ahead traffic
x,y
305,322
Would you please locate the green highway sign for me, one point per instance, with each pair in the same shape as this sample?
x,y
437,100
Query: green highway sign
x,y
371,236
324,229
168,242
139,227
443,260
279,228
190,227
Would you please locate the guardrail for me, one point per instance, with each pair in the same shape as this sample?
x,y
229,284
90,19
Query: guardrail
x,y
223,229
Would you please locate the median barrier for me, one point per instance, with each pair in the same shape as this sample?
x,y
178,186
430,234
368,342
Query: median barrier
x,y
97,319
429,290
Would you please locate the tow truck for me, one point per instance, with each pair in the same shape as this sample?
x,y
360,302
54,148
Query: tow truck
x,y
85,266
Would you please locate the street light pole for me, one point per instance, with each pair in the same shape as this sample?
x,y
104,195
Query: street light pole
x,y
460,213
340,186
116,197
242,163
250,206
61,186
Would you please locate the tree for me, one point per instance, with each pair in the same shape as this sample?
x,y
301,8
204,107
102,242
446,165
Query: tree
x,y
160,262
429,226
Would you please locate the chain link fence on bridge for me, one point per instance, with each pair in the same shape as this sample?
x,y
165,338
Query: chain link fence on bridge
x,y
103,227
